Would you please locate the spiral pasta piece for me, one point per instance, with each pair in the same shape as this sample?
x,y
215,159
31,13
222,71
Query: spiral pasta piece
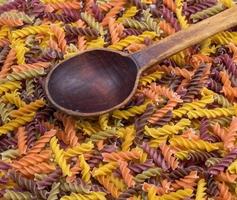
x,y
17,122
105,169
135,110
179,194
21,137
201,188
14,98
152,172
91,196
60,35
9,86
92,22
132,39
212,113
122,155
30,30
11,194
187,181
17,76
169,158
167,129
125,171
79,149
195,105
29,108
59,156
194,145
110,187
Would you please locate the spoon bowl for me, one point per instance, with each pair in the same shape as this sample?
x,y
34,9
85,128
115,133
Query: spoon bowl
x,y
92,82
101,80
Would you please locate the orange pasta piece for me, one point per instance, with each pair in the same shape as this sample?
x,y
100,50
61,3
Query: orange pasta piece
x,y
75,170
125,171
12,22
42,142
224,192
81,43
24,67
11,57
188,181
198,59
122,155
109,186
167,28
4,42
32,159
161,112
21,140
60,35
169,158
69,124
233,49
230,137
117,6
42,167
226,177
61,5
170,4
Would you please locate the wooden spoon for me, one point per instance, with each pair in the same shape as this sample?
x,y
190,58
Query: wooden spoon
x,y
101,80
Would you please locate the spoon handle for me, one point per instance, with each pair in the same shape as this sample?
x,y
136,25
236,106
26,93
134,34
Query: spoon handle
x,y
186,38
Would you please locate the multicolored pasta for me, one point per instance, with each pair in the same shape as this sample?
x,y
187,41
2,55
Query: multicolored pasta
x,y
175,139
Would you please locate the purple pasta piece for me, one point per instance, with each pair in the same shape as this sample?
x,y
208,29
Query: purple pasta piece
x,y
200,156
95,160
58,17
97,12
35,7
130,192
224,163
109,148
197,7
165,119
195,86
213,85
4,166
155,155
182,172
138,4
212,188
11,5
169,17
142,121
72,13
140,167
7,143
49,179
204,133
27,184
132,31
229,64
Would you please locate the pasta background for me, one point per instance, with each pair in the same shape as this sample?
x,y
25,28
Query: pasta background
x,y
177,137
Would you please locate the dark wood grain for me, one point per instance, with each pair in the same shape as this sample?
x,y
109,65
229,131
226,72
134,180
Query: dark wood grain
x,y
92,82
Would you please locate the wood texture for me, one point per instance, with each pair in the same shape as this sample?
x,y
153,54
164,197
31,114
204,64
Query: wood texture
x,y
186,38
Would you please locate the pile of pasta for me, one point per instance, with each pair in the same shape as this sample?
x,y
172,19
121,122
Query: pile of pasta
x,y
176,139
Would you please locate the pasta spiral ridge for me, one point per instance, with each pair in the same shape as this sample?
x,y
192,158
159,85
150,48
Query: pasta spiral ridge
x,y
59,156
140,178
11,194
194,145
